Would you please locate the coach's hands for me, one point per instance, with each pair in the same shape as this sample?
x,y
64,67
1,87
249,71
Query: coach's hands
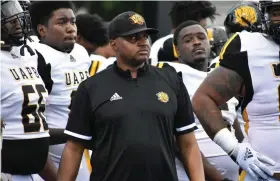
x,y
252,162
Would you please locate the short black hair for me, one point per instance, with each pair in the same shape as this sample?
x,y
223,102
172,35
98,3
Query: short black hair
x,y
41,11
181,26
92,28
182,11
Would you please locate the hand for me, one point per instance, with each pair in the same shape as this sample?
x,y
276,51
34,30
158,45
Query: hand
x,y
252,162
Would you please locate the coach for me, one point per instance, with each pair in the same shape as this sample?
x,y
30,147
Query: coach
x,y
130,112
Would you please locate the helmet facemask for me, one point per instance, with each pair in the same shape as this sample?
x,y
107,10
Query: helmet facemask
x,y
271,14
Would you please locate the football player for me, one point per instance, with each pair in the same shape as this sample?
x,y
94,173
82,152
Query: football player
x,y
62,64
180,12
25,6
248,67
244,16
23,97
193,49
92,35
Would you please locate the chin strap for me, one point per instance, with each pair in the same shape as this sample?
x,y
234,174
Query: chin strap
x,y
252,26
28,49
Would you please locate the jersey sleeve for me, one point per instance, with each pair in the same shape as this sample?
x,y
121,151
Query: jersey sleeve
x,y
94,67
234,58
184,118
44,69
79,124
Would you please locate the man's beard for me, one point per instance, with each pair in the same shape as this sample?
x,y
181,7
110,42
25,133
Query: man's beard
x,y
135,63
198,64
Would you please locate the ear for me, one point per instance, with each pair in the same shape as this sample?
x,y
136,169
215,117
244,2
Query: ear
x,y
113,45
42,30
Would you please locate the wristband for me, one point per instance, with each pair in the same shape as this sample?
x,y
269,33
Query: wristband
x,y
226,141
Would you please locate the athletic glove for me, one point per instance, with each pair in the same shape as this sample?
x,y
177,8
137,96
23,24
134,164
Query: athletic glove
x,y
245,156
252,162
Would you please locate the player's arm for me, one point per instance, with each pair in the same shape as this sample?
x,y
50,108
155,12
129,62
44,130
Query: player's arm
x,y
184,132
78,129
219,86
229,111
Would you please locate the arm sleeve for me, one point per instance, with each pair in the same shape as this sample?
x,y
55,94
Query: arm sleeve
x,y
184,119
233,58
80,120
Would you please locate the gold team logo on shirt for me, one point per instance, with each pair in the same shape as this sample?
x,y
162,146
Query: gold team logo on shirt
x,y
163,97
245,12
137,19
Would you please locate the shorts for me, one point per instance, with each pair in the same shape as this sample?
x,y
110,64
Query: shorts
x,y
24,157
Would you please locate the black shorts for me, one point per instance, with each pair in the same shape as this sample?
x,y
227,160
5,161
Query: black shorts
x,y
24,157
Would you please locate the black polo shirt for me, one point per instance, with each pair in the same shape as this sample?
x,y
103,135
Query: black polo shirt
x,y
131,122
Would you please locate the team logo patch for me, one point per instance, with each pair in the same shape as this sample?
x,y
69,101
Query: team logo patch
x,y
163,97
137,19
245,12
